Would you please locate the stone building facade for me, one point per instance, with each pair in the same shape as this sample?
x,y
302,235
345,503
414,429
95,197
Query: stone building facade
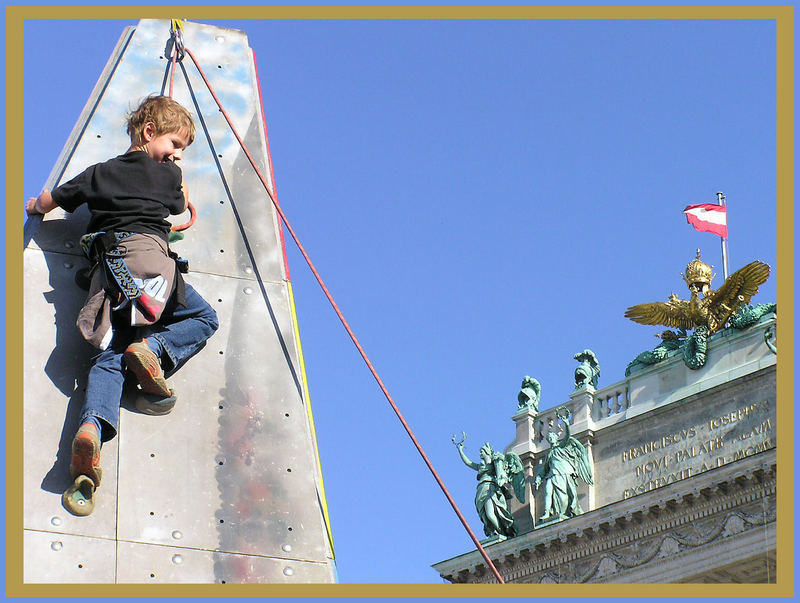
x,y
684,465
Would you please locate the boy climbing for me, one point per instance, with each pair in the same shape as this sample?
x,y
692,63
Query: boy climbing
x,y
139,311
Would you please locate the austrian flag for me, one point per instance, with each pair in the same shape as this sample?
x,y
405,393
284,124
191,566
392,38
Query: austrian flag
x,y
708,217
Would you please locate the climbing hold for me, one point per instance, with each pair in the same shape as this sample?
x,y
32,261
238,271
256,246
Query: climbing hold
x,y
79,497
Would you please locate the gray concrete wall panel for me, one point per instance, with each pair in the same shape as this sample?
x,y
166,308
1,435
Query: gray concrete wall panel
x,y
140,564
225,488
52,557
224,470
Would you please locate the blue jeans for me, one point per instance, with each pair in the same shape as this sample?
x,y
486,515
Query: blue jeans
x,y
181,331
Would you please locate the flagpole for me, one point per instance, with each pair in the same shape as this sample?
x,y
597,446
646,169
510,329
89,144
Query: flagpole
x,y
721,201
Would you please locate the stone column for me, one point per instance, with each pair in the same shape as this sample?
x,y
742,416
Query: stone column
x,y
525,420
582,403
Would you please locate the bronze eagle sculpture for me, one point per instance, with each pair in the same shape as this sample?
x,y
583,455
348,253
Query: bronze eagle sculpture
x,y
714,308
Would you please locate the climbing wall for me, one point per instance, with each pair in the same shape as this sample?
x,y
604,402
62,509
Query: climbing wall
x,y
226,488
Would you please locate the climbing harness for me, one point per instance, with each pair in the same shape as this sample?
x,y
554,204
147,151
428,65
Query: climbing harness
x,y
105,250
180,51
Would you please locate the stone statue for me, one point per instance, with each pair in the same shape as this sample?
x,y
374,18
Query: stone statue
x,y
499,478
588,371
564,464
529,394
707,314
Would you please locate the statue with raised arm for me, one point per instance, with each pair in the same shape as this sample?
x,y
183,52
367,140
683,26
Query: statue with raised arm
x,y
499,479
564,464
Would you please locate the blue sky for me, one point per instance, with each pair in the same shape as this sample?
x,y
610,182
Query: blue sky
x,y
484,199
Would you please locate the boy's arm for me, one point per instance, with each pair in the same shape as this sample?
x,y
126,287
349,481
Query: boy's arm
x,y
176,159
41,204
185,190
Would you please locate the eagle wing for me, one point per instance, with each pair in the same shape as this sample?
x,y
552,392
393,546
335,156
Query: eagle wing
x,y
672,313
737,290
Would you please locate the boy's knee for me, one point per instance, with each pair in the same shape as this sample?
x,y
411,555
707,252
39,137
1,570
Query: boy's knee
x,y
209,316
213,320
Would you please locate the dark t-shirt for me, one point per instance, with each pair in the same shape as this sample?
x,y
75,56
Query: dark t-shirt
x,y
129,193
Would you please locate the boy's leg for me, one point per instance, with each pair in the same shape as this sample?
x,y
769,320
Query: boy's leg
x,y
182,331
86,453
99,416
142,357
104,390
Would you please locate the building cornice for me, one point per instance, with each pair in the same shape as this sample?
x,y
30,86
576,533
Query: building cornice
x,y
634,535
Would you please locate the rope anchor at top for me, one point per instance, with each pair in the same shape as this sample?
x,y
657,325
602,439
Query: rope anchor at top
x,y
176,33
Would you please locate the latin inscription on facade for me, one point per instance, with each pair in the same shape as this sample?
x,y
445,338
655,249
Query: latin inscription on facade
x,y
697,446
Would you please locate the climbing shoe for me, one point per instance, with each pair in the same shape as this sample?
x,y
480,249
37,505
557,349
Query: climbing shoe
x,y
78,499
147,367
153,404
86,454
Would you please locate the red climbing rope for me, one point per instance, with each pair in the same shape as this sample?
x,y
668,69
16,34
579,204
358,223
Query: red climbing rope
x,y
192,218
344,322
178,50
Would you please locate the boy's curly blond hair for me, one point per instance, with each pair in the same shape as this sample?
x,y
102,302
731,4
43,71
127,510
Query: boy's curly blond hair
x,y
167,114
